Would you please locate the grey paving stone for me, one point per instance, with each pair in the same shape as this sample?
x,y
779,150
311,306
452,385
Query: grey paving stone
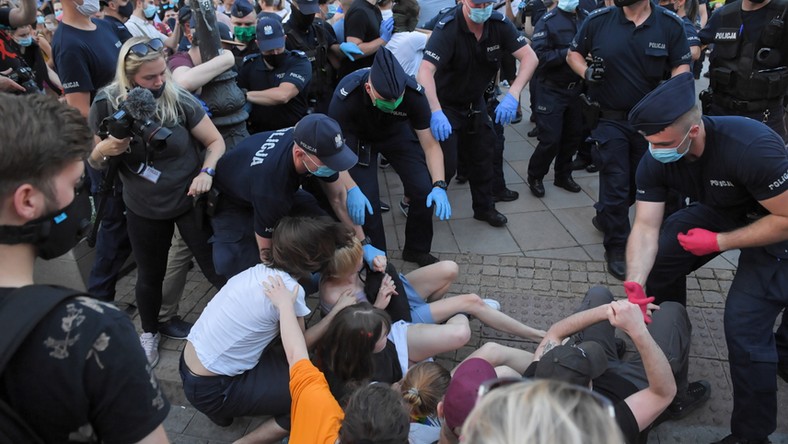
x,y
526,203
589,183
178,418
478,236
461,205
201,426
539,230
577,222
573,253
516,150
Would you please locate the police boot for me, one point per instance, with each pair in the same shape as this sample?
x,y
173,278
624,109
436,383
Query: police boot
x,y
568,184
536,186
616,264
492,217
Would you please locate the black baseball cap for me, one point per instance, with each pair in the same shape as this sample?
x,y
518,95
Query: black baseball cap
x,y
575,364
321,136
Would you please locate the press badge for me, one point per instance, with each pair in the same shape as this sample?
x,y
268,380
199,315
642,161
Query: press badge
x,y
149,173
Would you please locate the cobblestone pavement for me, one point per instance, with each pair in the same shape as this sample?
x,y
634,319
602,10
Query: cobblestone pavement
x,y
538,267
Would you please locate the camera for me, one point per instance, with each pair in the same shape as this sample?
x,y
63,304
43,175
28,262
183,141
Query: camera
x,y
25,78
121,125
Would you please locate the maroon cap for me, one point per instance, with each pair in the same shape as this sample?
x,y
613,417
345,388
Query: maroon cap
x,y
464,389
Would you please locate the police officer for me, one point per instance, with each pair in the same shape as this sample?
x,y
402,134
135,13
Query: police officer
x,y
276,83
462,56
365,27
635,44
558,114
316,39
259,182
748,71
379,109
116,12
244,22
730,166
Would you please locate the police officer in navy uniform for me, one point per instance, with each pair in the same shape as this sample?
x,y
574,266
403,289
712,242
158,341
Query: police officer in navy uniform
x,y
260,182
244,22
276,80
312,36
731,166
558,113
462,55
383,110
116,12
638,43
748,71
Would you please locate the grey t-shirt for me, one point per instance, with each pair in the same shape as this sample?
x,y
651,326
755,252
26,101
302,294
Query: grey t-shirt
x,y
178,163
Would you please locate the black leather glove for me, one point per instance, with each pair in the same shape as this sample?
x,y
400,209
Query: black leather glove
x,y
594,74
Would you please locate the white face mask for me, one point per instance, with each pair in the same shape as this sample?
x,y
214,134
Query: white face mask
x,y
88,7
387,13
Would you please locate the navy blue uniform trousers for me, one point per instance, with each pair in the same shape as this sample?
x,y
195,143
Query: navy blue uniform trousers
x,y
559,119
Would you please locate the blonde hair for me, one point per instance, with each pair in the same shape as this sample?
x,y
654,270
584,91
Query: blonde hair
x,y
540,412
169,107
345,259
423,387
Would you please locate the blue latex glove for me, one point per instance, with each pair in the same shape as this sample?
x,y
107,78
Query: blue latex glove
x,y
350,49
356,203
440,126
441,200
370,253
387,28
506,110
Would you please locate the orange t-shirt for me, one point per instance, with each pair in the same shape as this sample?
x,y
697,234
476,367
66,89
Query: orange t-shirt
x,y
315,414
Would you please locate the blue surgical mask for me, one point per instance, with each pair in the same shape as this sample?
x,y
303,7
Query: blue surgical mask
x,y
321,171
150,11
332,10
40,20
568,5
480,15
26,41
668,155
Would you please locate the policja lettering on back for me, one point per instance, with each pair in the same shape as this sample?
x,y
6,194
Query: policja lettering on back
x,y
270,142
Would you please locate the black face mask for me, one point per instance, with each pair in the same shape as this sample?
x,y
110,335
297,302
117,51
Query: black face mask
x,y
55,233
275,59
158,92
670,7
300,20
622,3
126,11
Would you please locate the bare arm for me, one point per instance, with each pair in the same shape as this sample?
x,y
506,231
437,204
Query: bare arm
x,y
433,154
80,101
577,62
273,96
158,436
647,404
680,69
426,76
695,51
528,63
703,13
336,192
643,241
315,332
193,79
569,326
207,134
24,14
767,230
290,327
369,48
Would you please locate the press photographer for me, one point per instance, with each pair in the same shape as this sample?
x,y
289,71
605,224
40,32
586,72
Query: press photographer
x,y
161,173
22,64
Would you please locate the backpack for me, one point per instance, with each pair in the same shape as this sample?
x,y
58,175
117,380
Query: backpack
x,y
20,313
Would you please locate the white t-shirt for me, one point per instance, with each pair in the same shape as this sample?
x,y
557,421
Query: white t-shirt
x,y
141,28
240,321
408,48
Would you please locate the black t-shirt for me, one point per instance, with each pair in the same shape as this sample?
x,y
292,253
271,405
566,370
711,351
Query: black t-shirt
x,y
358,117
179,163
617,389
464,65
120,29
256,76
362,21
85,60
5,14
81,376
259,172
743,161
635,58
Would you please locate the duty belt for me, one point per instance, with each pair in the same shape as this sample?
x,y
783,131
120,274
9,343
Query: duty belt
x,y
613,114
743,105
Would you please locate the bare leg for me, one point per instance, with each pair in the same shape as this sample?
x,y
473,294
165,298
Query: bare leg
x,y
268,432
433,281
428,340
474,305
501,355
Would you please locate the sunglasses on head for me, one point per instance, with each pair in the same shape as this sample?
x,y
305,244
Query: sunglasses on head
x,y
493,384
143,49
166,6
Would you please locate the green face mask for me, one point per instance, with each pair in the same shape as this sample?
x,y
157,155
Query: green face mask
x,y
244,34
388,106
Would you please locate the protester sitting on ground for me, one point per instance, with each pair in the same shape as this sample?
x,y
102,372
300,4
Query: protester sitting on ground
x,y
374,413
232,364
540,412
422,389
641,387
424,289
362,344
161,179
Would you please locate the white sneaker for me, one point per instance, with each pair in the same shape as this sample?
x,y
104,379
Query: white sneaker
x,y
150,344
492,303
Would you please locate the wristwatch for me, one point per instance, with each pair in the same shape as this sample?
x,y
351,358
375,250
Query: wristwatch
x,y
440,184
210,171
366,241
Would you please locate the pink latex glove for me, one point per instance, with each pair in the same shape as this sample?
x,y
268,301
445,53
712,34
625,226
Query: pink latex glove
x,y
699,242
636,295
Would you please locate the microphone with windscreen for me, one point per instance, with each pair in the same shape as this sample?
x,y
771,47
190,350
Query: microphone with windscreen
x,y
135,117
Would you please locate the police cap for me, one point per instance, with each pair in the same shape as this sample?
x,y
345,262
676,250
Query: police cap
x,y
321,136
270,34
664,105
241,8
387,76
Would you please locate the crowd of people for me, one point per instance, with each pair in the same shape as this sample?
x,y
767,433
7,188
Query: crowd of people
x,y
271,185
